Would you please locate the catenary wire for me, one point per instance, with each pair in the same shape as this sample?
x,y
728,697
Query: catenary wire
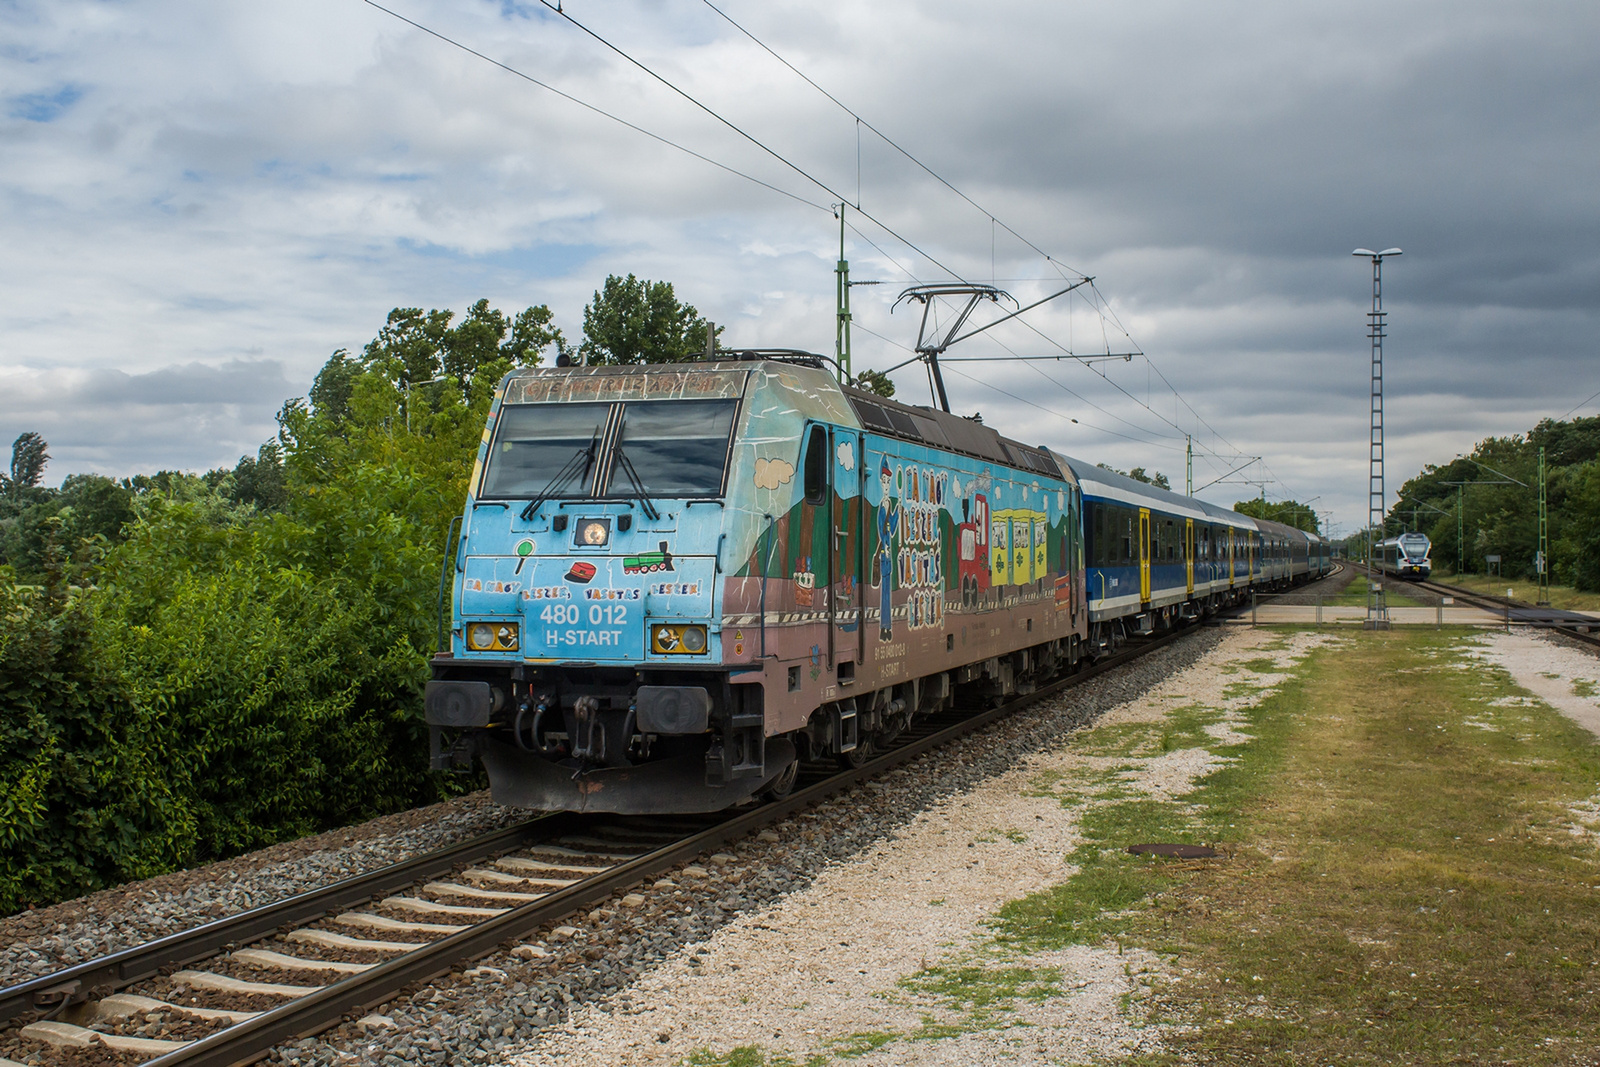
x,y
1102,305
591,107
1590,397
935,175
774,153
1057,414
1062,385
1080,422
1104,308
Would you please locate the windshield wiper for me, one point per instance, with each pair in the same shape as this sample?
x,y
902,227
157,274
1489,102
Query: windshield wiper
x,y
638,484
585,455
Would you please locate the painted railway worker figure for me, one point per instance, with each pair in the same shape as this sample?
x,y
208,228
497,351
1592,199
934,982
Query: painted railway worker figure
x,y
888,526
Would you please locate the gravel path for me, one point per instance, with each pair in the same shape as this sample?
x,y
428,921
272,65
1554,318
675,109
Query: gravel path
x,y
39,941
613,959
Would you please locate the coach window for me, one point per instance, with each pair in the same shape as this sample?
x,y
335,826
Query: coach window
x,y
816,464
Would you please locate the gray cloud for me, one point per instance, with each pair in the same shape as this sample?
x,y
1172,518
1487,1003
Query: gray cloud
x,y
185,417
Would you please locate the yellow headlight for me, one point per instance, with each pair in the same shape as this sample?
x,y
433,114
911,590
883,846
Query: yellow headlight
x,y
677,639
493,637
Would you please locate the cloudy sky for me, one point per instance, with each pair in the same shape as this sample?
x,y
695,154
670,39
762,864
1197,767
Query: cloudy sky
x,y
202,200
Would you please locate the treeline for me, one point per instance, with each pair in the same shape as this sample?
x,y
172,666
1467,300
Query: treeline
x,y
1487,504
1288,512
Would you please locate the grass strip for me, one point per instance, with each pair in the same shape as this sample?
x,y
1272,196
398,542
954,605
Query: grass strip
x,y
1561,596
1354,595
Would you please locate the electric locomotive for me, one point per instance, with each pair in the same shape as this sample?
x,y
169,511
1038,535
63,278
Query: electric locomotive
x,y
673,582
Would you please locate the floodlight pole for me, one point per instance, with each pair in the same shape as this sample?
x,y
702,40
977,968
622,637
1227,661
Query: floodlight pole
x,y
1377,608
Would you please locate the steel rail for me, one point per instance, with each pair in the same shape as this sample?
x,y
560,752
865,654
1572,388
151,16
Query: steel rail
x,y
1526,614
305,1016
136,964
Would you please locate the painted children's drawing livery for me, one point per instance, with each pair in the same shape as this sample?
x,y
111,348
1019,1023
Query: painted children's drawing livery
x,y
673,582
888,526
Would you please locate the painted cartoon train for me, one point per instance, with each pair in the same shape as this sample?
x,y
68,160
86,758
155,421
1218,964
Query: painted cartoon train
x,y
674,582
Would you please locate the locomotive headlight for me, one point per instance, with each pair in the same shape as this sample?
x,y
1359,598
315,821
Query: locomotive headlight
x,y
677,639
492,637
593,533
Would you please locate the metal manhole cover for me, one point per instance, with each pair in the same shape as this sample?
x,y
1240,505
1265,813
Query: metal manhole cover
x,y
1182,852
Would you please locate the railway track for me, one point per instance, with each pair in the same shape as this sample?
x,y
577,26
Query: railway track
x,y
237,987
1573,624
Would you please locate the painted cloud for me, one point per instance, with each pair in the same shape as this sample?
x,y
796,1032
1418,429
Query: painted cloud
x,y
771,473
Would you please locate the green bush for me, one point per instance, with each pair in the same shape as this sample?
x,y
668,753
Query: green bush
x,y
85,799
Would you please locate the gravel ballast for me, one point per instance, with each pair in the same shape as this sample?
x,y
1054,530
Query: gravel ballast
x,y
840,969
43,940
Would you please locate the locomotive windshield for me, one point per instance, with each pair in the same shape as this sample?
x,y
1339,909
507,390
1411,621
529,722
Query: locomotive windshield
x,y
536,443
676,448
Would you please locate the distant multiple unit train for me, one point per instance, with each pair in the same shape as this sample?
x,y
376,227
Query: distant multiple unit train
x,y
675,582
1406,556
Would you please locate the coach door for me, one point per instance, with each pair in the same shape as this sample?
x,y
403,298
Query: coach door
x,y
1231,550
1188,551
1144,553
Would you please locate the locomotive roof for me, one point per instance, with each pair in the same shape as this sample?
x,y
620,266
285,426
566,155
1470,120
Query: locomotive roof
x,y
941,429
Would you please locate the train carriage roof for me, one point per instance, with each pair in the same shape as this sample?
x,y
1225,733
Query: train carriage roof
x,y
1293,533
1109,485
803,376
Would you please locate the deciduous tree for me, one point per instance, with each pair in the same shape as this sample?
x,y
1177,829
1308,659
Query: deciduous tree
x,y
634,321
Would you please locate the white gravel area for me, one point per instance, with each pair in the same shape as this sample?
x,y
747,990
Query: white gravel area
x,y
1563,677
830,969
